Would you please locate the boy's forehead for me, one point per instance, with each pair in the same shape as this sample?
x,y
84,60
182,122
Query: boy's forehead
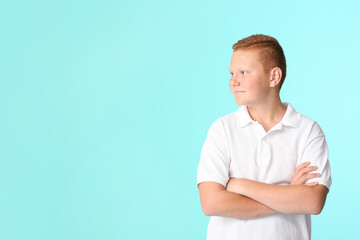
x,y
246,53
245,57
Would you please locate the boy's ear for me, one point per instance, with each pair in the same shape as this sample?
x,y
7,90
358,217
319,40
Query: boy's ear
x,y
275,76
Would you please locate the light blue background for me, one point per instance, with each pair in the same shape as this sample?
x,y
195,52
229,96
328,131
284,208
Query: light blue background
x,y
105,106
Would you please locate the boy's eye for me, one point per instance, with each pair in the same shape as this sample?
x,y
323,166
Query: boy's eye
x,y
243,72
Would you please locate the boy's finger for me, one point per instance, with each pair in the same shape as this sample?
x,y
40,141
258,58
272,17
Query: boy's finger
x,y
303,165
310,169
312,184
312,175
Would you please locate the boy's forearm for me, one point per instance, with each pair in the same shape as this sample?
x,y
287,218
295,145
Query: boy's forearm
x,y
233,205
288,199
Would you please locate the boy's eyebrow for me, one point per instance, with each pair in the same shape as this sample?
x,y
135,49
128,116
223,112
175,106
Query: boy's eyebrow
x,y
241,67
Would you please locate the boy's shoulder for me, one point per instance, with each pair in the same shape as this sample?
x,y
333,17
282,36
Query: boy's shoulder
x,y
227,120
310,124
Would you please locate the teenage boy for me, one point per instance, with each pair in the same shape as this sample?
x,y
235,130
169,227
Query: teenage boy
x,y
264,169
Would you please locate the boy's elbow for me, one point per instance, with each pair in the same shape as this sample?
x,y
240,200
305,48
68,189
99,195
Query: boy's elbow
x,y
319,199
209,192
316,206
205,208
317,210
208,207
207,212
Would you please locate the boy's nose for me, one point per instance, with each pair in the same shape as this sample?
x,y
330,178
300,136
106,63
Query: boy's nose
x,y
235,81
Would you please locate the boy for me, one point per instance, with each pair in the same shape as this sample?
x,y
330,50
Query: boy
x,y
254,174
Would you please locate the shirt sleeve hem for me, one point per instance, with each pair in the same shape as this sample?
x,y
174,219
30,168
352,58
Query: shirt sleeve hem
x,y
325,183
223,182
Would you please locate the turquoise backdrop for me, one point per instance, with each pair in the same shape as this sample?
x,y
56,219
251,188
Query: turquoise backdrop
x,y
105,106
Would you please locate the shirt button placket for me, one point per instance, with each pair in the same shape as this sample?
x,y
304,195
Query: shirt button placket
x,y
263,149
263,152
266,151
260,151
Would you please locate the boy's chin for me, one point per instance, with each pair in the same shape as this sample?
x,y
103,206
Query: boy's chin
x,y
240,103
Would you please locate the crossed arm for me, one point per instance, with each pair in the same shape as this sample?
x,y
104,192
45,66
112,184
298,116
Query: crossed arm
x,y
245,199
288,199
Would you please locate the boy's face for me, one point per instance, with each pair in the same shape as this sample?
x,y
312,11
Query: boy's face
x,y
249,84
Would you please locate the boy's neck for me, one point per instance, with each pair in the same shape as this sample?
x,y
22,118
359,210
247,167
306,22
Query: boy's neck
x,y
268,114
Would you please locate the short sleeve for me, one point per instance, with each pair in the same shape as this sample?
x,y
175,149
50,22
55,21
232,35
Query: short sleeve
x,y
316,152
214,159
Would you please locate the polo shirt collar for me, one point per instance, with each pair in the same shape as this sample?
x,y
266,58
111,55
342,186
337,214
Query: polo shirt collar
x,y
291,117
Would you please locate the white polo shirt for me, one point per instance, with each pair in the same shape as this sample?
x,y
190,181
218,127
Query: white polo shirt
x,y
236,146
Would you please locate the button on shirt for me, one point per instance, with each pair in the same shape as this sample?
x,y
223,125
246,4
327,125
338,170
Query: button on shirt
x,y
236,146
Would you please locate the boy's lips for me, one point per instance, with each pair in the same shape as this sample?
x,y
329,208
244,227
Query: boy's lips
x,y
239,92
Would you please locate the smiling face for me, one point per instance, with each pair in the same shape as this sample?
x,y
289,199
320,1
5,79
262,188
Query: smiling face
x,y
249,84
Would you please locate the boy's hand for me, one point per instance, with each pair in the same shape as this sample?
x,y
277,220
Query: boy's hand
x,y
301,175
